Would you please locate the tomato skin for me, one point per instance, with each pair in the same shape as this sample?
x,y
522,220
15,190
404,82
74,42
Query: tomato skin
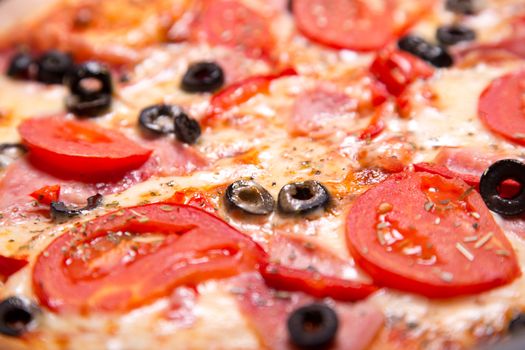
x,y
47,194
66,279
241,91
374,30
79,147
247,29
467,164
379,93
445,272
320,286
376,125
194,198
356,24
502,109
442,170
9,266
397,69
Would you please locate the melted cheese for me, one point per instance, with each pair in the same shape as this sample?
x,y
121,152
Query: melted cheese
x,y
450,120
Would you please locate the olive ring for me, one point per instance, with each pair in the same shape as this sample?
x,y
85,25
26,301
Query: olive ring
x,y
17,316
497,173
313,326
303,197
250,197
90,70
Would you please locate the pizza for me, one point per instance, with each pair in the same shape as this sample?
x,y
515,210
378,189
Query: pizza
x,y
262,174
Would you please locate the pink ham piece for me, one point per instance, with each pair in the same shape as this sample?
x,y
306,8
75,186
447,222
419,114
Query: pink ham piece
x,y
301,254
513,46
174,158
267,312
22,178
320,112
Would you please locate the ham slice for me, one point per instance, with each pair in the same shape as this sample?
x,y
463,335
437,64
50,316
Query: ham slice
x,y
267,312
22,178
304,255
511,47
320,112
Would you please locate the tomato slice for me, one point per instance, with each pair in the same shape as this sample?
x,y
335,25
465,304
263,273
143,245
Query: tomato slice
x,y
397,69
130,257
232,24
80,147
429,235
47,194
9,266
192,197
346,24
502,106
320,286
375,126
442,170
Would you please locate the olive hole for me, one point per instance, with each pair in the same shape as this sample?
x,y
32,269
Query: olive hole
x,y
509,189
249,195
203,73
456,32
303,193
17,318
90,85
313,321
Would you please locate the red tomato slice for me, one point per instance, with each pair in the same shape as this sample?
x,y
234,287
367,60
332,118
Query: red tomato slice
x,y
132,256
346,24
47,194
320,286
9,266
442,170
502,106
375,126
242,91
194,198
397,69
230,23
429,235
509,188
80,147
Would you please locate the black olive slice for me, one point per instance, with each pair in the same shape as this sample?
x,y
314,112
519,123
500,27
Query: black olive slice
x,y
517,324
250,197
61,212
433,54
464,7
313,326
159,119
451,35
493,177
88,108
303,197
9,152
187,129
89,80
20,66
90,85
17,316
203,77
53,66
